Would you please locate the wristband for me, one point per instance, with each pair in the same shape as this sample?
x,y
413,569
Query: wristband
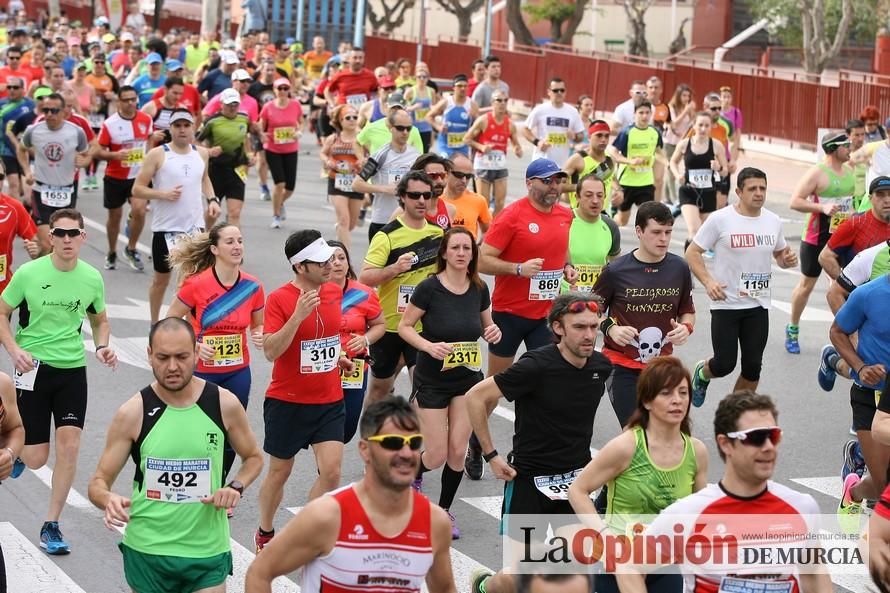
x,y
536,141
860,368
213,199
491,455
101,346
236,486
606,325
688,326
367,343
519,269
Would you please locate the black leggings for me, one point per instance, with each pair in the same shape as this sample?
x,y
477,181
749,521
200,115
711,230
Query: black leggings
x,y
731,328
283,167
624,392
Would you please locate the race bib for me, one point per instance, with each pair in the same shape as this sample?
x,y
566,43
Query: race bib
x,y
2,268
355,379
740,585
700,178
356,100
587,276
644,168
463,354
134,157
754,284
557,139
394,178
405,292
843,213
284,135
56,196
544,286
241,172
343,182
172,237
228,350
556,487
177,480
95,120
455,139
494,160
25,381
319,356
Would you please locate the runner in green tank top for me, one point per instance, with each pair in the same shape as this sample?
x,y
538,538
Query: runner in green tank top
x,y
581,164
653,463
594,239
177,535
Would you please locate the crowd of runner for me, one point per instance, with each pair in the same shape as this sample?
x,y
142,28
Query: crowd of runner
x,y
174,124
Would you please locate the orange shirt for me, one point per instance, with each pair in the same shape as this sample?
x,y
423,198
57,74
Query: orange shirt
x,y
470,209
315,62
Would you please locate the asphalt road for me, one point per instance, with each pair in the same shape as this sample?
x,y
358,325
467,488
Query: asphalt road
x,y
815,422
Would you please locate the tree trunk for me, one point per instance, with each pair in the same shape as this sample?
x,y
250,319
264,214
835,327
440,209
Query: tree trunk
x,y
636,13
517,23
393,15
818,51
555,31
464,14
573,23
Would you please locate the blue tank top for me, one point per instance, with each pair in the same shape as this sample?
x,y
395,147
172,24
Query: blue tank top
x,y
376,113
457,122
419,114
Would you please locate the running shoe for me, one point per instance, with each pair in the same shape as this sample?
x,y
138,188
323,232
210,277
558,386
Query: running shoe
x,y
676,212
478,578
265,194
848,510
111,261
827,370
699,385
134,259
276,222
455,532
52,540
417,484
261,540
854,462
792,333
474,467
18,467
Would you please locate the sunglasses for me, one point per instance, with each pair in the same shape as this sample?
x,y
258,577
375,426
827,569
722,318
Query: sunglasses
x,y
756,437
13,86
416,195
550,180
52,110
714,109
460,175
395,442
402,128
128,99
350,118
581,306
498,100
436,175
281,88
73,233
557,90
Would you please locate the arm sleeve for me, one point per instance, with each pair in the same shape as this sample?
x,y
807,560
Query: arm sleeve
x,y
14,293
687,305
104,137
259,299
26,227
98,304
858,271
26,138
82,141
519,379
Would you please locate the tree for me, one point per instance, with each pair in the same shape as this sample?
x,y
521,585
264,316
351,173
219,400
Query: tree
x,y
392,17
517,23
636,37
820,27
559,13
464,14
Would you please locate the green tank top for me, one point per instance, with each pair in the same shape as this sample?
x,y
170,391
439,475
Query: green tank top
x,y
605,170
640,143
841,190
645,489
590,245
179,458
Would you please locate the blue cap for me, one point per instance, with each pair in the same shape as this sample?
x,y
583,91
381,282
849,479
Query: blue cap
x,y
174,64
290,40
543,169
879,183
154,58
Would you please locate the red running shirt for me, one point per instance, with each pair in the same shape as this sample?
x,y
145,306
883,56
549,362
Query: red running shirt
x,y
14,221
522,232
118,133
858,233
360,305
307,372
354,87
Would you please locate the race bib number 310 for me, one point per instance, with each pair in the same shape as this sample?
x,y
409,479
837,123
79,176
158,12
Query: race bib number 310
x,y
177,480
319,356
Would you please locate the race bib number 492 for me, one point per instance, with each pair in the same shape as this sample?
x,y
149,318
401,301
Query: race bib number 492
x,y
177,480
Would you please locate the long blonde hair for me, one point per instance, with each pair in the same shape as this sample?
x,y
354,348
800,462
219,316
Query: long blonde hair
x,y
192,254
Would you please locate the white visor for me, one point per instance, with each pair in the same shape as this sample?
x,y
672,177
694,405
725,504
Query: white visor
x,y
318,251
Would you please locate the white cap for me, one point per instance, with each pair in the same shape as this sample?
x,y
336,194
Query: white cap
x,y
318,251
229,96
127,36
241,74
229,57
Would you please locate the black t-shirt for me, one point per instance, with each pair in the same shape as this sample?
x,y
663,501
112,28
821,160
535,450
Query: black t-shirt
x,y
555,404
646,296
448,317
263,93
22,122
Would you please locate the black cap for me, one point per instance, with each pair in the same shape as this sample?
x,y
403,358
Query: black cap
x,y
879,183
460,78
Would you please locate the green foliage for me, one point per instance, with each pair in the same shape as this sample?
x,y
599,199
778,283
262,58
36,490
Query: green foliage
x,y
785,27
557,11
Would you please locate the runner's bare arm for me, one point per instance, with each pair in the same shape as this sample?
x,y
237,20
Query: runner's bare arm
x,y
830,262
696,261
808,185
12,432
122,433
701,465
437,109
294,547
836,297
490,263
612,459
573,166
677,158
440,578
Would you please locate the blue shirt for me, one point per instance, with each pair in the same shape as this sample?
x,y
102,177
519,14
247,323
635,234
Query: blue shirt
x,y
9,113
146,86
68,64
215,82
866,312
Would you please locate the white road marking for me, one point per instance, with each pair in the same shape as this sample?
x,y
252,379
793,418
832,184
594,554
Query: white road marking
x,y
829,485
141,247
490,505
28,568
809,314
75,499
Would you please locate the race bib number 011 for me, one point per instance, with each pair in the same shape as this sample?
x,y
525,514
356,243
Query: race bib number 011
x,y
463,354
228,350
754,284
356,378
544,286
587,276
177,480
556,487
319,356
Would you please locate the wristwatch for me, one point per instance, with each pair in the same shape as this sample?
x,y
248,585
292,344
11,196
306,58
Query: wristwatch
x,y
236,486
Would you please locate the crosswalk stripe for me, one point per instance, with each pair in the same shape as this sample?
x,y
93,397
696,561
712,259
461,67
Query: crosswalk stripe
x,y
75,499
490,505
829,485
28,568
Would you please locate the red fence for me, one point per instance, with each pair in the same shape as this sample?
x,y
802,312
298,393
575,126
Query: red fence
x,y
777,106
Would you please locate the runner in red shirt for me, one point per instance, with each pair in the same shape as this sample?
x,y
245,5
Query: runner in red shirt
x,y
190,99
122,142
304,402
354,85
14,221
14,69
859,232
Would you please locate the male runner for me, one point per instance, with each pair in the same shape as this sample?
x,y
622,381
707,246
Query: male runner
x,y
174,176
556,390
55,293
825,193
745,503
161,108
401,255
14,106
391,519
553,126
483,94
122,142
304,402
637,147
354,85
458,112
175,429
648,293
14,221
744,238
594,238
471,209
623,115
593,160
437,168
59,148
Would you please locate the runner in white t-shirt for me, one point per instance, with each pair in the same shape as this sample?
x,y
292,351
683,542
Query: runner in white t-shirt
x,y
553,126
744,238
